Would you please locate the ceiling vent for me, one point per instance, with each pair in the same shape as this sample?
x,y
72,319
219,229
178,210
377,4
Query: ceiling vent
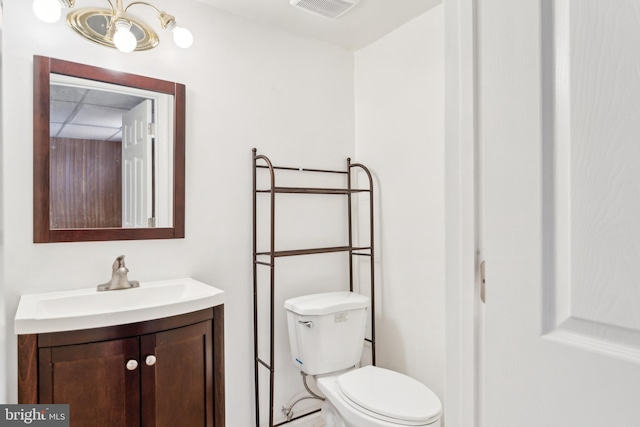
x,y
327,8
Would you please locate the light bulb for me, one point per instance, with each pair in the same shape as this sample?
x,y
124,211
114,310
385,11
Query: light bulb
x,y
182,37
47,10
124,39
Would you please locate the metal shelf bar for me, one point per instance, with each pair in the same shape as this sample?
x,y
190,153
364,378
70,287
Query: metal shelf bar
x,y
294,252
364,169
299,169
350,224
314,190
263,363
297,418
257,360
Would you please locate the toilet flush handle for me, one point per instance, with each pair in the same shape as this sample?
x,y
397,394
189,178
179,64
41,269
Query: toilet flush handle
x,y
307,323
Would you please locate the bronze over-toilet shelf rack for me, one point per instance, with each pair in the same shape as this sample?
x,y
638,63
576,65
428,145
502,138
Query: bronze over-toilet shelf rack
x,y
273,254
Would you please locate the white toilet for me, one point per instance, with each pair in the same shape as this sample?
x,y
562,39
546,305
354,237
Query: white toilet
x,y
326,333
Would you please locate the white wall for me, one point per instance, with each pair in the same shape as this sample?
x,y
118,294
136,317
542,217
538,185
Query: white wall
x,y
247,86
399,99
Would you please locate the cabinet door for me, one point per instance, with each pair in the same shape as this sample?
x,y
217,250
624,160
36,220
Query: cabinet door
x,y
94,380
177,377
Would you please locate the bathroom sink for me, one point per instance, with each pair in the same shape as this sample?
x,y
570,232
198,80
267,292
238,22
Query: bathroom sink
x,y
88,308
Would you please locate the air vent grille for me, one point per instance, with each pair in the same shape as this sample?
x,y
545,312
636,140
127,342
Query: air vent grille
x,y
327,8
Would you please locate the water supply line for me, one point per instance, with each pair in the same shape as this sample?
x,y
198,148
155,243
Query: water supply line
x,y
288,410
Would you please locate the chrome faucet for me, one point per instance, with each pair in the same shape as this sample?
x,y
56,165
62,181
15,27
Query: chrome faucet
x,y
118,277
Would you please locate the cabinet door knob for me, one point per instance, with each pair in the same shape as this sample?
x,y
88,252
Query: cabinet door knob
x,y
150,360
132,364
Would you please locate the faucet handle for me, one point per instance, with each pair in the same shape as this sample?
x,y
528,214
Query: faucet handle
x,y
118,263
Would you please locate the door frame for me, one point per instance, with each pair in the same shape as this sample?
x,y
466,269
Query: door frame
x,y
462,375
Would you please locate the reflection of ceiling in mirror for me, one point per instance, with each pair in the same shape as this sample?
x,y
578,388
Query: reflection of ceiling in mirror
x,y
82,113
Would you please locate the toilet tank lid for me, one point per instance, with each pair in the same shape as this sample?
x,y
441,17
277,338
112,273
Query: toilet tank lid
x,y
326,303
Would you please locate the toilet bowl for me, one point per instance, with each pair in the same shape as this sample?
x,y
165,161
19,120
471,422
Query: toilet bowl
x,y
326,334
377,397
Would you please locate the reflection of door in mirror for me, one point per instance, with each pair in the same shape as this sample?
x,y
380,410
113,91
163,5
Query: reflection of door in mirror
x,y
111,156
137,166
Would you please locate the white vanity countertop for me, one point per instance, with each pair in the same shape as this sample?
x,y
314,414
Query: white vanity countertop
x,y
88,308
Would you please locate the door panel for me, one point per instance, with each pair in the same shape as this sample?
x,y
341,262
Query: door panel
x,y
559,119
137,170
178,387
597,177
94,381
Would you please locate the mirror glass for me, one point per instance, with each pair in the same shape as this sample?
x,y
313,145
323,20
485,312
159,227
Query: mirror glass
x,y
108,154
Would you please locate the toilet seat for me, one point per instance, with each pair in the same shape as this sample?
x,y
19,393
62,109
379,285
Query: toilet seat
x,y
389,396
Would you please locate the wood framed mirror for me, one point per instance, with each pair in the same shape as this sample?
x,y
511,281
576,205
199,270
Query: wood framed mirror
x,y
90,182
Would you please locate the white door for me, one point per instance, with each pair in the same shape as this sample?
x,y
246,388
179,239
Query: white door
x,y
137,169
559,131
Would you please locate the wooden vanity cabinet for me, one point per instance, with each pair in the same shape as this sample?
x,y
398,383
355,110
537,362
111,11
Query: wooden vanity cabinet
x,y
164,372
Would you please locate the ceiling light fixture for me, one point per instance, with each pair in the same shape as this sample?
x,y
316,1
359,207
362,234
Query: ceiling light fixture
x,y
113,27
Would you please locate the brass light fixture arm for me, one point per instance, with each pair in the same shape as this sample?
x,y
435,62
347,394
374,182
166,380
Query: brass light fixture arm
x,y
113,9
166,20
142,2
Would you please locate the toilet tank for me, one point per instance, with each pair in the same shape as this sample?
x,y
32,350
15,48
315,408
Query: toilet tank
x,y
326,330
